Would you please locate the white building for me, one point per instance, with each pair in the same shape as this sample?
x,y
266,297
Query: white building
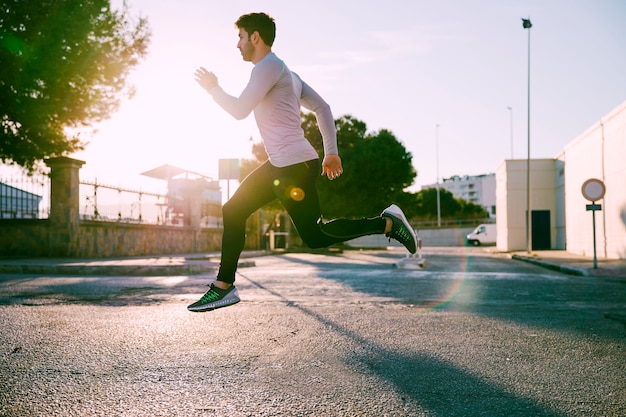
x,y
559,212
511,204
478,189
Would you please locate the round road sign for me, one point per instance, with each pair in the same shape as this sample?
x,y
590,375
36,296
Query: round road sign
x,y
593,189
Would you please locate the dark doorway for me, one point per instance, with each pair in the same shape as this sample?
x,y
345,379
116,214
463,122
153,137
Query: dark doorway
x,y
541,229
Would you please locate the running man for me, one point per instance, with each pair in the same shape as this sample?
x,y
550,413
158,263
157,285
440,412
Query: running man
x,y
275,95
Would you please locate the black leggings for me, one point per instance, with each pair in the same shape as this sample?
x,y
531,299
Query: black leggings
x,y
294,186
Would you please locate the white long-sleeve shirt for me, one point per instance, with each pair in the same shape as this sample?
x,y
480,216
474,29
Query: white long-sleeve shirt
x,y
275,94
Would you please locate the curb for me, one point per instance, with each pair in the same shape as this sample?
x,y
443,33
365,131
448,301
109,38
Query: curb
x,y
554,267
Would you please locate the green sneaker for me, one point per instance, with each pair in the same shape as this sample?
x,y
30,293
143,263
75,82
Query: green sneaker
x,y
215,298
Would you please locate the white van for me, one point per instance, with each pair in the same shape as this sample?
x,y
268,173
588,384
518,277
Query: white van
x,y
484,234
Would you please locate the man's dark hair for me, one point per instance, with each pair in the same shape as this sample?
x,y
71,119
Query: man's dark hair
x,y
258,22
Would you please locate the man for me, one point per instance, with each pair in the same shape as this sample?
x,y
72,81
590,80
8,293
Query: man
x,y
275,95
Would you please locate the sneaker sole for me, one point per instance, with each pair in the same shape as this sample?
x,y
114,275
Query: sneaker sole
x,y
213,306
230,299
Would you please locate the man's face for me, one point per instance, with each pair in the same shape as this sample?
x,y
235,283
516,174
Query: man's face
x,y
245,46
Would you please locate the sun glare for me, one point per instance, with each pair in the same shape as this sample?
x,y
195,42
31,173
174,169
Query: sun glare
x,y
165,123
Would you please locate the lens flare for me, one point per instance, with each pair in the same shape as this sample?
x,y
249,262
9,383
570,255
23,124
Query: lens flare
x,y
454,287
459,289
296,194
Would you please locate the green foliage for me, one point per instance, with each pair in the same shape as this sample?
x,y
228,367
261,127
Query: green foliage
x,y
451,208
377,168
64,66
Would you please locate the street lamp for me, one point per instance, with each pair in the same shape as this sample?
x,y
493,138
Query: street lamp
x,y
438,198
511,111
527,25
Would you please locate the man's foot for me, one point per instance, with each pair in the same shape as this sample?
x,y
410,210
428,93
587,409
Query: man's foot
x,y
215,298
401,230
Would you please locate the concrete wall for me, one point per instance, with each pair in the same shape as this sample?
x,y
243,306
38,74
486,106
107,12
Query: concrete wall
x,y
599,153
429,237
31,238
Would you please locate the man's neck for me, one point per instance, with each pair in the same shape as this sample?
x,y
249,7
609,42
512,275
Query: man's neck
x,y
260,54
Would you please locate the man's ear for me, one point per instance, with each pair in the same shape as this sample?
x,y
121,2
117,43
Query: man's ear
x,y
255,37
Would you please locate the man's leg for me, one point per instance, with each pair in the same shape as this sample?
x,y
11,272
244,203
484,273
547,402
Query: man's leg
x,y
296,189
254,192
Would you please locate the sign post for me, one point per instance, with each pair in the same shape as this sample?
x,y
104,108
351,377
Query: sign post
x,y
228,170
593,190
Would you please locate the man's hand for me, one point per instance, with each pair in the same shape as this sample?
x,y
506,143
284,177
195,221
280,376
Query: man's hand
x,y
331,166
206,79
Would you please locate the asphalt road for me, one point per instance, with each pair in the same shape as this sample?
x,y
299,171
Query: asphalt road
x,y
319,335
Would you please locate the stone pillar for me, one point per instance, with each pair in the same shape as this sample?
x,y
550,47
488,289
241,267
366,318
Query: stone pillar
x,y
64,205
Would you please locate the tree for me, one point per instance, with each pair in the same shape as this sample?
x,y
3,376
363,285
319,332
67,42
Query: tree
x,y
249,165
377,169
64,67
451,208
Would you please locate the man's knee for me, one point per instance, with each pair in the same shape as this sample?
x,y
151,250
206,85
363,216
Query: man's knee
x,y
232,214
314,240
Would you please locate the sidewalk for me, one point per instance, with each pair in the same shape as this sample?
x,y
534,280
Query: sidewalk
x,y
189,264
568,263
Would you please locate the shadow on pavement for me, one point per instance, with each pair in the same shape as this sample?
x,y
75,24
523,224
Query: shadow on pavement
x,y
97,290
527,294
437,386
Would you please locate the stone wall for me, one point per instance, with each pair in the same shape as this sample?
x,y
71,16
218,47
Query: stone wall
x,y
31,239
64,234
102,239
24,238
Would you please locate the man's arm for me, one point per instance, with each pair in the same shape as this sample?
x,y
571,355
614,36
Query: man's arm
x,y
311,100
262,79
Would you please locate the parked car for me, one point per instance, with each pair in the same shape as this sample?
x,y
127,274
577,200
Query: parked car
x,y
484,234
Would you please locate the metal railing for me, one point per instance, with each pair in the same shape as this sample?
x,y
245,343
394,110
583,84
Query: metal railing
x,y
104,202
432,224
24,196
28,197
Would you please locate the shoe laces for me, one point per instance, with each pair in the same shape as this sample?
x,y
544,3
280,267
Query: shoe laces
x,y
210,295
400,233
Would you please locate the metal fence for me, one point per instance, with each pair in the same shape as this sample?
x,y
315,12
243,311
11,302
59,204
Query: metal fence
x,y
104,202
28,197
445,223
24,196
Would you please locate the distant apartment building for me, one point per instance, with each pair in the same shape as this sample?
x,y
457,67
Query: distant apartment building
x,y
478,189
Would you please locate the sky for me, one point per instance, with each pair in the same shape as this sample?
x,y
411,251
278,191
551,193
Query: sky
x,y
449,78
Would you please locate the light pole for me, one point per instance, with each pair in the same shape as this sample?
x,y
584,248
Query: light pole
x,y
527,25
511,111
438,198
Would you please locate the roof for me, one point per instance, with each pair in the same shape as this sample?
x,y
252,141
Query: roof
x,y
167,172
7,190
